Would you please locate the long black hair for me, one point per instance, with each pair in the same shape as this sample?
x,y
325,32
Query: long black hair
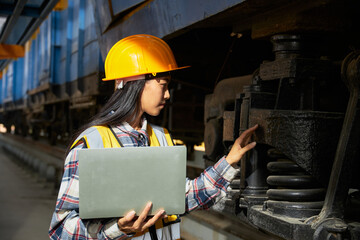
x,y
123,106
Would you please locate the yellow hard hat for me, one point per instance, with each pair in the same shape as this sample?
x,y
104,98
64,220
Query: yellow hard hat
x,y
136,55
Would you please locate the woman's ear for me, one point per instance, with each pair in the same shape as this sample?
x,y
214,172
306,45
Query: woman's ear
x,y
116,84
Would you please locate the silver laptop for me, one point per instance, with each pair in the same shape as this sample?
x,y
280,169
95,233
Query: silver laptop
x,y
113,181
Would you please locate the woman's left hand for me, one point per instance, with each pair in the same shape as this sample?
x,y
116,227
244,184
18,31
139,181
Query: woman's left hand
x,y
131,224
241,146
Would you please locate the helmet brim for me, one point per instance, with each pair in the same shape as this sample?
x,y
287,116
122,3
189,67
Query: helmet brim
x,y
145,73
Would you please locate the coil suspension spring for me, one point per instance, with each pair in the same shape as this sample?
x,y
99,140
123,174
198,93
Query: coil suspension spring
x,y
292,192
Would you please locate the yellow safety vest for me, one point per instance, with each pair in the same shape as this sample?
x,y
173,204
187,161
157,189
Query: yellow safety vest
x,y
110,140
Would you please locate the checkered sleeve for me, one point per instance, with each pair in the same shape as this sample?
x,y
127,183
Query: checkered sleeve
x,y
205,190
65,222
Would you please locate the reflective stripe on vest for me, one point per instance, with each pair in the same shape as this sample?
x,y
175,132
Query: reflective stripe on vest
x,y
167,228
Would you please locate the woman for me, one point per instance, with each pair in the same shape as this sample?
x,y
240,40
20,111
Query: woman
x,y
141,66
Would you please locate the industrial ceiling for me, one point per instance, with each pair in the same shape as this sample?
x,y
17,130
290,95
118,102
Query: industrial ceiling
x,y
19,19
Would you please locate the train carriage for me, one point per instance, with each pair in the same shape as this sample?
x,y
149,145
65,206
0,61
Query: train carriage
x,y
58,82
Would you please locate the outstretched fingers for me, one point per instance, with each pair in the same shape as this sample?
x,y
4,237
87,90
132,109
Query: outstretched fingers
x,y
140,222
153,220
130,224
246,135
143,222
241,146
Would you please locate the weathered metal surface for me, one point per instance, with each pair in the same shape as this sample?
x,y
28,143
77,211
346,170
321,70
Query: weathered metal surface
x,y
305,81
224,94
228,130
292,68
294,209
212,138
303,16
308,138
339,183
286,227
217,125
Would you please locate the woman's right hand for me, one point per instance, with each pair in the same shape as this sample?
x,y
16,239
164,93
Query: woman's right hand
x,y
130,224
241,146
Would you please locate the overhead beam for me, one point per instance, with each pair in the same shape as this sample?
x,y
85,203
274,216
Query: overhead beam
x,y
8,9
11,51
9,26
35,24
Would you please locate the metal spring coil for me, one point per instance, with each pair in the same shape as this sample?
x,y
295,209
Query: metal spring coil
x,y
294,192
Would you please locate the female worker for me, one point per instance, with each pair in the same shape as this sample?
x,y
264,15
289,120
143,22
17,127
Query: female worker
x,y
141,66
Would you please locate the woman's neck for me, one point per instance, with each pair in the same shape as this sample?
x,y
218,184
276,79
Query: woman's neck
x,y
136,123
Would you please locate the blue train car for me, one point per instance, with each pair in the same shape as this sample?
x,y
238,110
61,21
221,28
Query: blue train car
x,y
1,81
59,78
13,94
7,85
12,85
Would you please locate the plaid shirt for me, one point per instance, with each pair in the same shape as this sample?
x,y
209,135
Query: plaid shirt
x,y
201,193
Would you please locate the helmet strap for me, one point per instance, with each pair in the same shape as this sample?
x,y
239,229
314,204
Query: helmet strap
x,y
120,85
148,76
122,82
